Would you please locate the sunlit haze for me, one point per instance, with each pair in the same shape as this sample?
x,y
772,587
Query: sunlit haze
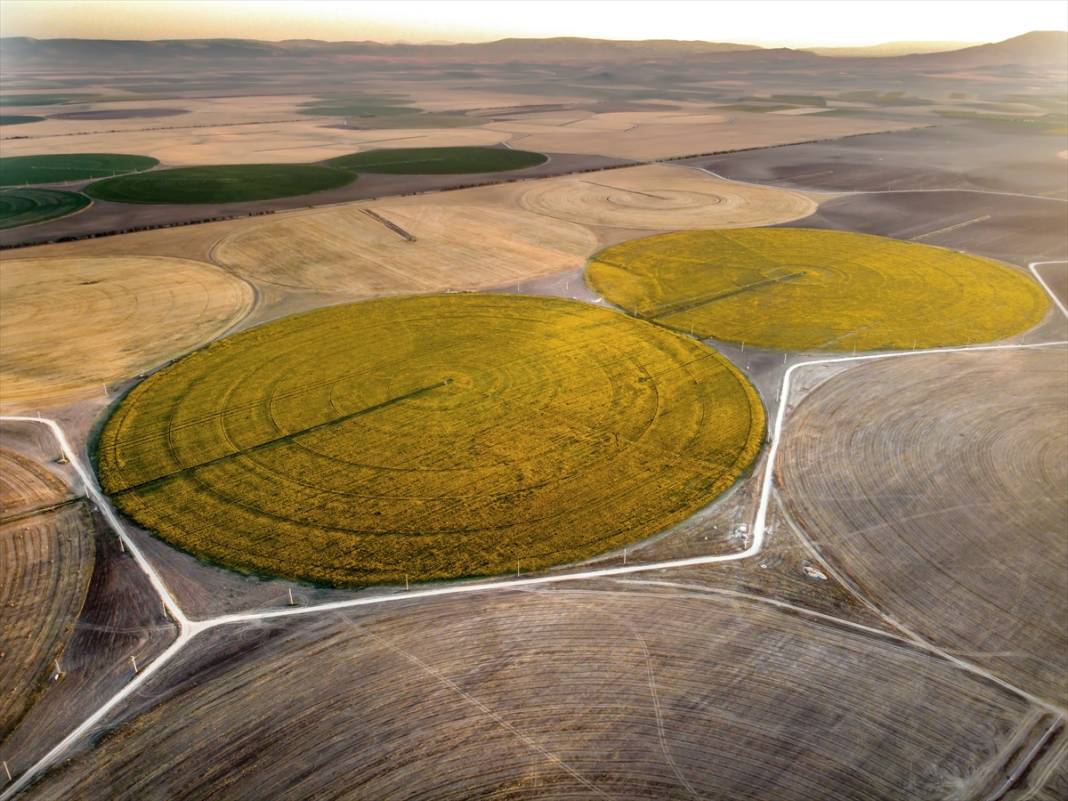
x,y
769,23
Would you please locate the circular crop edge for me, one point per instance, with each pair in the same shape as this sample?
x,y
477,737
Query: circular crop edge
x,y
1046,306
742,463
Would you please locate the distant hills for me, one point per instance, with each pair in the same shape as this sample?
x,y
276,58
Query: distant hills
x,y
503,50
889,49
1035,48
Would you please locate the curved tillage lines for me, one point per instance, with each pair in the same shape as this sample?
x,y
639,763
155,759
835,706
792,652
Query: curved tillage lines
x,y
568,694
429,437
26,485
800,289
46,557
72,324
937,485
658,197
346,250
28,206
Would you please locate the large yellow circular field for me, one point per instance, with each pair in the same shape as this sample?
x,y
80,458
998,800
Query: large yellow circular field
x,y
432,436
802,289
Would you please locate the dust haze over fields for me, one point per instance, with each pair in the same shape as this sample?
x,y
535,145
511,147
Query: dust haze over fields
x,y
459,445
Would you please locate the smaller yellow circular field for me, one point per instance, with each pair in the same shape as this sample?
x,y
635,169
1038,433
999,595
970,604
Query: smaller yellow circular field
x,y
70,324
803,289
433,436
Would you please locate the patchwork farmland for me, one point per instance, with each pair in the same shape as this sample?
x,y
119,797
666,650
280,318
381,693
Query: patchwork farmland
x,y
533,419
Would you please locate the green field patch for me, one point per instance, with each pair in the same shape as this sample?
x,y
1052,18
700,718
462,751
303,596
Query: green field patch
x,y
25,206
18,119
223,183
438,160
429,437
892,98
1051,123
68,167
799,289
415,121
800,100
54,99
388,105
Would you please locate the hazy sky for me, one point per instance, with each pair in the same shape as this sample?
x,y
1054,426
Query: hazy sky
x,y
791,23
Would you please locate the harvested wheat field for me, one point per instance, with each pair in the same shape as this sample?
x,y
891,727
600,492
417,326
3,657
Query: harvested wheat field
x,y
402,246
657,135
72,324
117,117
46,558
560,694
26,485
662,197
801,289
277,142
431,437
937,486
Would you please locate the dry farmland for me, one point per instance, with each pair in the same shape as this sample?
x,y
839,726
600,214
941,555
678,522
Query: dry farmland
x,y
658,135
430,437
403,247
241,134
299,140
46,558
565,694
662,197
799,289
490,236
936,486
71,324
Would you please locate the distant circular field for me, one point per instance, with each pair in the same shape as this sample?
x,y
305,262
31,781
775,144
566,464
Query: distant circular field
x,y
19,170
659,197
432,436
344,250
119,114
222,183
802,289
71,324
438,160
25,206
18,119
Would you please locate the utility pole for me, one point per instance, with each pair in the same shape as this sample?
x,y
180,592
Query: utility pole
x,y
406,582
134,663
7,770
291,601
